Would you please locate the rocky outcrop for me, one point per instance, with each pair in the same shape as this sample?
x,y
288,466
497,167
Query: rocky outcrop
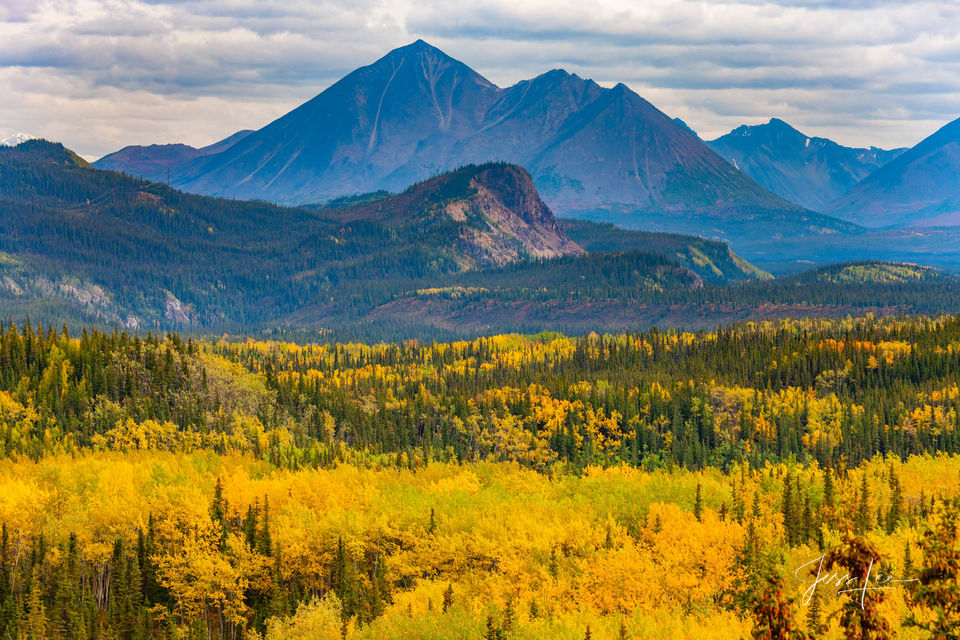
x,y
511,222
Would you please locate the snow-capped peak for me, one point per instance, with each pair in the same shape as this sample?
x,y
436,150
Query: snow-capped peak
x,y
15,139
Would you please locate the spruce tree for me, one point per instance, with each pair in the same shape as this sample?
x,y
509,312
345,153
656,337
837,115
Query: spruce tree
x,y
895,513
265,543
773,614
36,623
698,504
936,598
448,597
788,510
829,491
509,617
860,617
862,521
806,528
218,512
815,614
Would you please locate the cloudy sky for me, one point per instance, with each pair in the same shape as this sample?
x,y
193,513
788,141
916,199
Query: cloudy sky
x,y
102,74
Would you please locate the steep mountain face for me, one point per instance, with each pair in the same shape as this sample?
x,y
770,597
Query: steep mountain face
x,y
586,146
919,188
381,127
808,171
595,152
154,162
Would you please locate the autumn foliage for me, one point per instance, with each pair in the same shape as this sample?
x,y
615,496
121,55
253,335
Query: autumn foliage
x,y
657,485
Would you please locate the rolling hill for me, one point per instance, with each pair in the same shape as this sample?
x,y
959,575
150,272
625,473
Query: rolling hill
x,y
155,161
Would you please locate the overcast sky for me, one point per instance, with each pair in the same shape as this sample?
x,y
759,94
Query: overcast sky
x,y
102,74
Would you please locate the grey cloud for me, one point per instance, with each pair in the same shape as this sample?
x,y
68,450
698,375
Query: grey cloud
x,y
867,71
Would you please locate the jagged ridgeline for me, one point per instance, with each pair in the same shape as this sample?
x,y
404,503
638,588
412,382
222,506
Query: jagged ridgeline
x,y
84,244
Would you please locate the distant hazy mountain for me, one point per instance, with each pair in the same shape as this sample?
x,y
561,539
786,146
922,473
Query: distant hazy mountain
x,y
602,153
15,139
808,171
155,161
919,188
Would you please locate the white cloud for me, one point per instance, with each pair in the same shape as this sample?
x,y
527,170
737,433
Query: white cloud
x,y
100,74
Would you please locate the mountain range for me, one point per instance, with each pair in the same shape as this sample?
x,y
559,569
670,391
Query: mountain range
x,y
809,171
919,188
593,152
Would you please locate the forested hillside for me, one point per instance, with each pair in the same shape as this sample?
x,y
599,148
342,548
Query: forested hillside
x,y
82,244
656,484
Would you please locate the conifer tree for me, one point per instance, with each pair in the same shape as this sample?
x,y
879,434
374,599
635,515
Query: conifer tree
x,y
36,623
937,595
829,491
250,528
807,525
773,614
698,504
895,513
218,511
788,509
815,614
860,616
448,597
862,521
265,543
508,620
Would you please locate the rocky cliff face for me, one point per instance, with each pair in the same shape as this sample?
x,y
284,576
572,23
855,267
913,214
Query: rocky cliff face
x,y
480,216
510,221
